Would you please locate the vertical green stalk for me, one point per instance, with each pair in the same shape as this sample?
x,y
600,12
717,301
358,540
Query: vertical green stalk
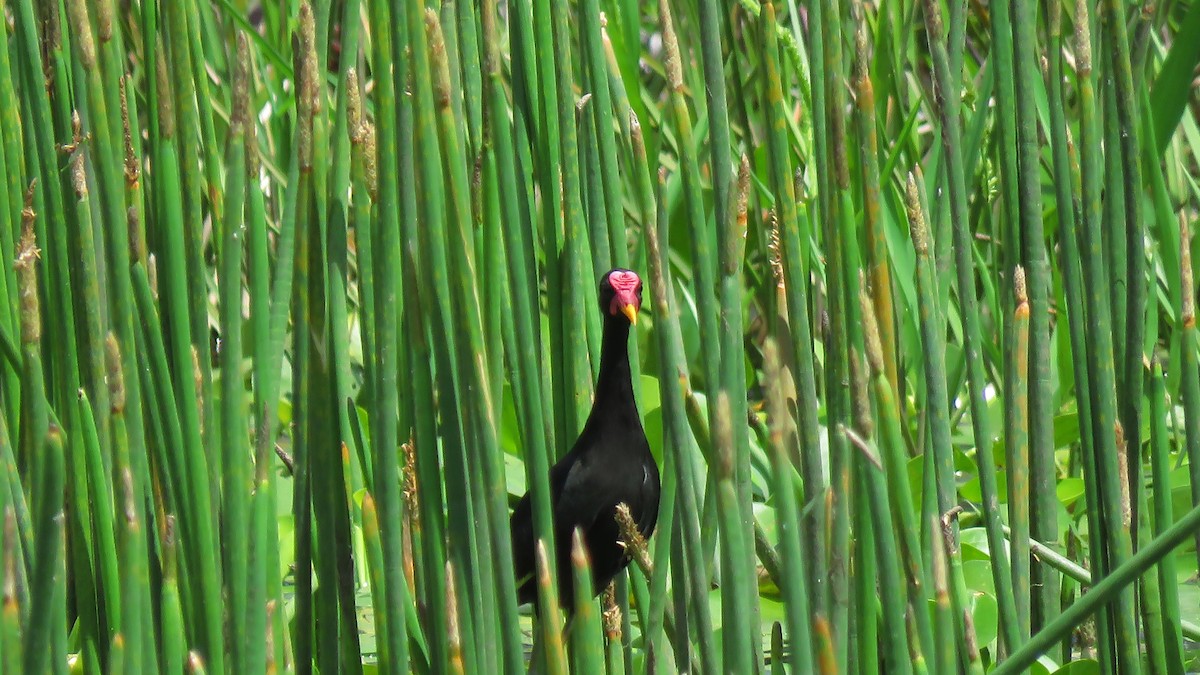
x,y
843,277
1047,607
11,649
836,369
947,103
11,158
342,470
417,303
473,369
175,484
89,307
1115,247
877,260
593,191
524,369
1168,584
454,635
188,133
1190,357
81,561
363,190
548,165
131,540
1151,600
805,455
933,349
1042,498
205,55
1116,528
587,646
1010,225
376,567
796,604
1075,246
435,275
325,481
237,522
105,159
112,50
472,77
602,119
1017,451
689,581
199,542
1130,397
45,630
918,575
731,238
733,379
384,433
894,645
122,248
702,261
104,546
704,271
1102,593
578,373
738,640
46,193
945,655
173,639
264,549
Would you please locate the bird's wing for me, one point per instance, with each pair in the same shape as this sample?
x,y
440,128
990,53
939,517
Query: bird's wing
x,y
584,492
521,522
650,491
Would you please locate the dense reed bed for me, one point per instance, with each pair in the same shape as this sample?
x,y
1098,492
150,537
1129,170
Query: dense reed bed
x,y
299,297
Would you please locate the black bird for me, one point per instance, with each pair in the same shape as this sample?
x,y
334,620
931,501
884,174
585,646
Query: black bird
x,y
609,464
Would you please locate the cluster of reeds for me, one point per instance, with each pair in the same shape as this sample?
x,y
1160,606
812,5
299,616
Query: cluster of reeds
x,y
297,297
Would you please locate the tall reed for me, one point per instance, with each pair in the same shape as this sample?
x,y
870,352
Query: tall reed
x,y
300,297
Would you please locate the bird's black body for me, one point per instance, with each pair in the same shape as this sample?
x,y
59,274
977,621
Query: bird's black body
x,y
610,463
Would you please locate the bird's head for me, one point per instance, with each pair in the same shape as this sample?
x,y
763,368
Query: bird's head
x,y
621,294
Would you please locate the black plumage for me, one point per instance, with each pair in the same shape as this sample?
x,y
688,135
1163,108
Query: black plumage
x,y
609,464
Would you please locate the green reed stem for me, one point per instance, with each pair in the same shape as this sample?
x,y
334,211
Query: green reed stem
x,y
836,369
1018,452
1164,514
1042,499
384,433
1067,207
805,454
737,639
1102,593
237,485
800,655
1116,526
472,366
680,445
526,381
45,630
199,540
1190,348
189,105
587,642
933,346
972,334
1130,398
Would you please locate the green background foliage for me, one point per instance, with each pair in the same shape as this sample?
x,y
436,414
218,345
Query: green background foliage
x,y
299,297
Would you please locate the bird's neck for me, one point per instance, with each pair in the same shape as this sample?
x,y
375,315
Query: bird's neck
x,y
614,386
